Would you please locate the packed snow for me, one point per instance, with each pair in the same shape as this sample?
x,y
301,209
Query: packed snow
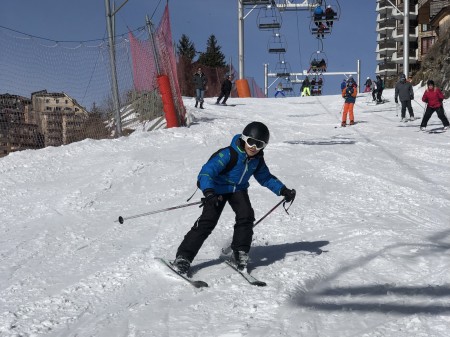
x,y
364,250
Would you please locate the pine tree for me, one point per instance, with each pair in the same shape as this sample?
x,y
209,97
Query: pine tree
x,y
213,57
186,48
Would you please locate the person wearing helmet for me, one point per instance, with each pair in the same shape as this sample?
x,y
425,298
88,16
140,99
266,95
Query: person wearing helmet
x,y
349,94
329,16
225,90
434,98
224,178
368,85
404,91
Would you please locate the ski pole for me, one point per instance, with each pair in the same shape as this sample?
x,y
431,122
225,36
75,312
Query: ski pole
x,y
419,104
227,250
122,219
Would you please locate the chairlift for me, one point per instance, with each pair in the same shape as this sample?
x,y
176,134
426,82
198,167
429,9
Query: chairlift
x,y
322,24
318,62
287,86
269,18
283,69
277,44
317,83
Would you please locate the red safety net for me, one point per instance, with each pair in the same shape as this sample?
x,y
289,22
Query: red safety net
x,y
145,67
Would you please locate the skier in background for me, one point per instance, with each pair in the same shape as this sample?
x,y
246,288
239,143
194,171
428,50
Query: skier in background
x,y
434,98
279,90
378,90
404,91
368,85
349,93
305,90
200,82
225,90
232,187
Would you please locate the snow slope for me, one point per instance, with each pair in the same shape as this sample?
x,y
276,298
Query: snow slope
x,y
364,250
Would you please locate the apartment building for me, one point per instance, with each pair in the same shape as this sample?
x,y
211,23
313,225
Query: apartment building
x,y
426,19
60,118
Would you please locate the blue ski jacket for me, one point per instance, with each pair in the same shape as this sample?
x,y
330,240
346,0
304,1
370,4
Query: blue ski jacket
x,y
237,178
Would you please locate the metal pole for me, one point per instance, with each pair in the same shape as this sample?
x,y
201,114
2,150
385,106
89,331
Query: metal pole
x,y
406,38
266,79
358,77
112,62
152,40
241,38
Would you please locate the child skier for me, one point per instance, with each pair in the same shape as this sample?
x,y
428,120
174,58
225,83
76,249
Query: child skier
x,y
221,184
349,94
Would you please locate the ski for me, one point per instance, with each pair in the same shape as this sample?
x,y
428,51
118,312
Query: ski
x,y
195,283
250,279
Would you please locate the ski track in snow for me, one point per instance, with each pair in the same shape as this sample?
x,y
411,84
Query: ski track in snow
x,y
363,251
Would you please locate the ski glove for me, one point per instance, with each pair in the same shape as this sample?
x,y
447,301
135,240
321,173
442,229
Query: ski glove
x,y
211,198
289,195
396,100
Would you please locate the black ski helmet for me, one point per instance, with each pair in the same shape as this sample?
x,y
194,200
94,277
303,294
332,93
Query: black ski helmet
x,y
257,130
430,82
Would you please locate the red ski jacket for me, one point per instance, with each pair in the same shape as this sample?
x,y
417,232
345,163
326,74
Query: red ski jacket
x,y
433,97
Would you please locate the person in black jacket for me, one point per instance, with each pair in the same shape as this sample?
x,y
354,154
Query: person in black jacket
x,y
200,83
404,91
225,90
379,89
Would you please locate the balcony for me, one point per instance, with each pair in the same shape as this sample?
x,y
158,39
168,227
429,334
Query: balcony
x,y
383,4
386,48
413,57
386,69
397,34
413,12
386,26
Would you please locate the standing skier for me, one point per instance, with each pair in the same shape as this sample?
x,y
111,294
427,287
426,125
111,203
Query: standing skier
x,y
434,98
200,82
379,89
349,94
279,90
404,91
368,85
221,184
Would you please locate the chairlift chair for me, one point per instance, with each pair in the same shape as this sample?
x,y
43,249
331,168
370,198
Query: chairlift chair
x,y
316,61
283,69
277,44
317,88
269,18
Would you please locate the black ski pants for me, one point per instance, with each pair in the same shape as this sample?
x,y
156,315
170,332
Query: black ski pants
x,y
429,112
407,105
224,95
205,224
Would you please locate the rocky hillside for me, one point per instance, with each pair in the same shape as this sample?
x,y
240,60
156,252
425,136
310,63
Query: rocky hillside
x,y
436,65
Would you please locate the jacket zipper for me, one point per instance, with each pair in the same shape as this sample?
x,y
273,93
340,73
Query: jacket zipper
x,y
242,176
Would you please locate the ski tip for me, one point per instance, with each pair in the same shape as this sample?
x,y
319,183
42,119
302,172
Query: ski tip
x,y
120,220
199,284
259,283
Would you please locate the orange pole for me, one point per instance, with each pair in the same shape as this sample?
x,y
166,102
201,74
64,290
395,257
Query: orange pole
x,y
242,88
167,100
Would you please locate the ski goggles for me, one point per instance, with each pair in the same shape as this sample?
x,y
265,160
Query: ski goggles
x,y
252,142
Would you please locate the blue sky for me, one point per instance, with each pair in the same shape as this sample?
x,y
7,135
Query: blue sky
x,y
353,37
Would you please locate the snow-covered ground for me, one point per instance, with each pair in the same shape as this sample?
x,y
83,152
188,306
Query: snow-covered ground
x,y
364,250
